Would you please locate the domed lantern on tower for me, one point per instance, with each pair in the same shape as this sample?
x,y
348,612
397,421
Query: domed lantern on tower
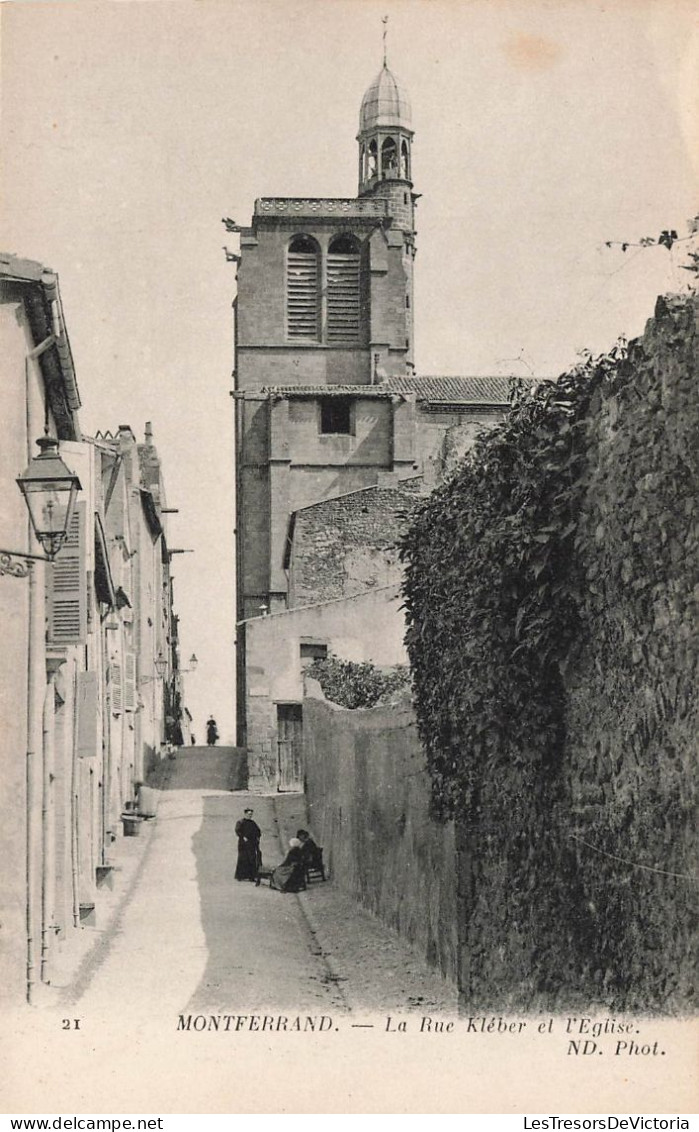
x,y
385,134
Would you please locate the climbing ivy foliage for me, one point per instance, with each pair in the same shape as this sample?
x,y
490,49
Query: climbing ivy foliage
x,y
552,602
491,591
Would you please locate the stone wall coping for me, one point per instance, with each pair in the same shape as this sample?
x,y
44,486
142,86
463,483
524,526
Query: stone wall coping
x,y
321,206
317,604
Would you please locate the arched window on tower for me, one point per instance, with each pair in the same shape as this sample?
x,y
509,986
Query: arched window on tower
x,y
343,289
404,161
373,161
389,158
302,307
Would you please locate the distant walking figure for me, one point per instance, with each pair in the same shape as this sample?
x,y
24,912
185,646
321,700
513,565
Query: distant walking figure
x,y
249,856
211,731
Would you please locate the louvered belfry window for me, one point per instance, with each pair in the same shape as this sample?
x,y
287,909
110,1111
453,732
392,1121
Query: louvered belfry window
x,y
302,289
343,290
66,589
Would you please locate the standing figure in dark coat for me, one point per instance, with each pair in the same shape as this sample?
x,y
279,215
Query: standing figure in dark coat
x,y
211,731
249,856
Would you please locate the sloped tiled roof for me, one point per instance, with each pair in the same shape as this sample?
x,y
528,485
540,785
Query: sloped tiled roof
x,y
327,390
435,390
453,390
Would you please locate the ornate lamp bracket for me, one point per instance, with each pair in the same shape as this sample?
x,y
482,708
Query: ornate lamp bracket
x,y
17,563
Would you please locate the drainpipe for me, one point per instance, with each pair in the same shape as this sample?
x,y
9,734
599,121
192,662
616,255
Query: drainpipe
x,y
34,737
48,821
31,357
105,701
74,840
35,683
123,770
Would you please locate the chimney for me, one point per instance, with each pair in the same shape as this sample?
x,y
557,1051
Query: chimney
x,y
149,433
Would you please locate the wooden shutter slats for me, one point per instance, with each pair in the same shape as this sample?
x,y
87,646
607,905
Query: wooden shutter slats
x,y
343,298
302,295
66,586
116,686
130,682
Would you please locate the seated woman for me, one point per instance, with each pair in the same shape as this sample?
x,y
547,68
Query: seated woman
x,y
288,877
311,855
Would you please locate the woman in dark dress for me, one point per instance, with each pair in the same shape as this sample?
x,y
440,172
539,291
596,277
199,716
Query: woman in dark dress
x,y
288,877
249,857
312,856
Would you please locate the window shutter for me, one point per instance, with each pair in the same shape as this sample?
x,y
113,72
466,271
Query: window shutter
x,y
343,298
66,586
302,295
87,715
116,686
130,682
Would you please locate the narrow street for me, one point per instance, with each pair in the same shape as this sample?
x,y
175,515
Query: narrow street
x,y
182,936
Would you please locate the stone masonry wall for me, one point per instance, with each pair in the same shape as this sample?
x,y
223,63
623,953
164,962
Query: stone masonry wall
x,y
347,545
368,796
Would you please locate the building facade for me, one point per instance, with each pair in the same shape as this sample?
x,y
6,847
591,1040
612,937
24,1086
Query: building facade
x,y
328,403
39,393
83,702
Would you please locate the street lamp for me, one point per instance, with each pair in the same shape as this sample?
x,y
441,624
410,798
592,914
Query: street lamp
x,y
160,664
193,662
49,489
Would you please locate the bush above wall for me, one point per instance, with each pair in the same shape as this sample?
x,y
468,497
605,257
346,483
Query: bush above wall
x,y
357,684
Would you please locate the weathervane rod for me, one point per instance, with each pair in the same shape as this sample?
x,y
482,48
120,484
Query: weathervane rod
x,y
384,21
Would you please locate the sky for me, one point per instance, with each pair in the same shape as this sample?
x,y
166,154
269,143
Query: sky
x,y
542,130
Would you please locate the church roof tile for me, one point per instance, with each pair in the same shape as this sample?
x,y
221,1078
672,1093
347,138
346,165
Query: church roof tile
x,y
453,390
435,390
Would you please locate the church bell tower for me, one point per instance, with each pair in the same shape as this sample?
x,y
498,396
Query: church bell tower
x,y
385,167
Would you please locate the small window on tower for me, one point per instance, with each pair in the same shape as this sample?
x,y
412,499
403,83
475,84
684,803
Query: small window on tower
x,y
336,415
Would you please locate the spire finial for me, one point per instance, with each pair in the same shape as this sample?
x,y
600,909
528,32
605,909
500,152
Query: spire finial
x,y
384,21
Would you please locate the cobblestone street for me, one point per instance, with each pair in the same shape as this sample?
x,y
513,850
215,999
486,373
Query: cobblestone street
x,y
177,937
182,936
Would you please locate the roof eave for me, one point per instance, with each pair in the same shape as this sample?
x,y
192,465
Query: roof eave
x,y
56,362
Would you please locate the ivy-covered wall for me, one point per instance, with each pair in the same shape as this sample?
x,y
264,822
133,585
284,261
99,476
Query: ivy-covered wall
x,y
551,593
